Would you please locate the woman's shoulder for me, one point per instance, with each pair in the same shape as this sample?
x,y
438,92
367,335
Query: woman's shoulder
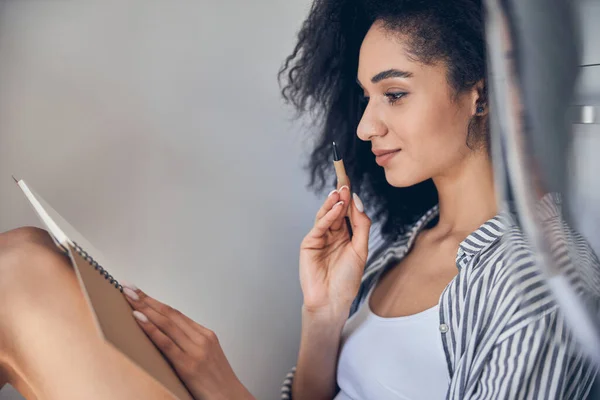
x,y
568,251
519,281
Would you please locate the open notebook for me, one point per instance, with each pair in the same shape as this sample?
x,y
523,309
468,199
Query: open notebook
x,y
111,311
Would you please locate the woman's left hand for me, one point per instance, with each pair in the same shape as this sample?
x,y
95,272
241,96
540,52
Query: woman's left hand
x,y
193,350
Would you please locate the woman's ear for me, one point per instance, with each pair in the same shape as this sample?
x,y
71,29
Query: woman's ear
x,y
480,105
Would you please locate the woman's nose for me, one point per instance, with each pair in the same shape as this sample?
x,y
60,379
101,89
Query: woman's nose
x,y
370,125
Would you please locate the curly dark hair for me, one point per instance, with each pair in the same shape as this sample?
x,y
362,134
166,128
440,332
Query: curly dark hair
x,y
320,77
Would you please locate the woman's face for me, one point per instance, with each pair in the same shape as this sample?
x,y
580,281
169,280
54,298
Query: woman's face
x,y
412,112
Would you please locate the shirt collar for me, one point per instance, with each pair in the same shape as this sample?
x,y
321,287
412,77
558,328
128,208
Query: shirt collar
x,y
481,239
477,242
548,207
405,243
488,233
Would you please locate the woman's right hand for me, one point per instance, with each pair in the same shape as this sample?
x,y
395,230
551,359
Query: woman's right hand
x,y
332,264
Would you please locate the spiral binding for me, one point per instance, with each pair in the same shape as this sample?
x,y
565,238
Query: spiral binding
x,y
97,267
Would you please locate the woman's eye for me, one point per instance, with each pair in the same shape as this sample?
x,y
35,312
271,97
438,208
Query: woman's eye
x,y
394,96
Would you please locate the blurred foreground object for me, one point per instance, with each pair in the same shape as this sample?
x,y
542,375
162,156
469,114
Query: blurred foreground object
x,y
534,49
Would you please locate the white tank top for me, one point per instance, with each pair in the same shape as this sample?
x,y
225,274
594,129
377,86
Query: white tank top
x,y
392,358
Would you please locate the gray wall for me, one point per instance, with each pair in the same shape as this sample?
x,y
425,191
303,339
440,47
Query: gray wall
x,y
585,163
129,116
156,129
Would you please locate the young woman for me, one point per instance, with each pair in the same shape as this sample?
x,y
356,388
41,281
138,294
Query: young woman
x,y
453,305
445,309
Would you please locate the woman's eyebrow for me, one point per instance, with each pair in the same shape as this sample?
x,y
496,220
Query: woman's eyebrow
x,y
391,73
387,74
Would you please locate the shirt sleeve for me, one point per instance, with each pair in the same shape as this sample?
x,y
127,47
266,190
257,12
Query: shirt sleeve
x,y
286,389
539,361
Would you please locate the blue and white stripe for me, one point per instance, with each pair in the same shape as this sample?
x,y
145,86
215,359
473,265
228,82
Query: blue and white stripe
x,y
503,334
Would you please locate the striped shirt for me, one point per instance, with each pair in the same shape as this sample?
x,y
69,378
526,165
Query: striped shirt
x,y
504,336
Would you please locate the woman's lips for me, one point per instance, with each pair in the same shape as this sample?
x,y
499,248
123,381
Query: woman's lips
x,y
383,158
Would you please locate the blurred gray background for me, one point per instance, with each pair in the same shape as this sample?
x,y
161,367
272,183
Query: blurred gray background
x,y
585,160
156,129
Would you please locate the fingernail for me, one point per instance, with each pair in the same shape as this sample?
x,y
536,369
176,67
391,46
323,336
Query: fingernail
x,y
138,315
129,285
332,192
131,294
342,188
358,203
339,203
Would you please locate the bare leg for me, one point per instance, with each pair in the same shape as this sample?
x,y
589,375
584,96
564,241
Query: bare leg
x,y
49,348
3,378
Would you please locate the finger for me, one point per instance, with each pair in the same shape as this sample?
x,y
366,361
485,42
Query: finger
x,y
332,198
188,325
135,294
323,225
361,226
344,193
162,321
164,343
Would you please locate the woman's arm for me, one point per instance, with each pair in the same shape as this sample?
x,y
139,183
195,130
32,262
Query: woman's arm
x,y
317,360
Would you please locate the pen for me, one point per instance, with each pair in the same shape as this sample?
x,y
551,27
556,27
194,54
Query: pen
x,y
342,179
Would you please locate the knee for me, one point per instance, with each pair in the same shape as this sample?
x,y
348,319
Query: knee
x,y
21,251
24,237
33,273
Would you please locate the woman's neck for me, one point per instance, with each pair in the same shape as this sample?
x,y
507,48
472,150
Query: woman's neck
x,y
467,197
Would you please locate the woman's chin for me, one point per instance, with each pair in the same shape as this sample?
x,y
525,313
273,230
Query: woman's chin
x,y
397,179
